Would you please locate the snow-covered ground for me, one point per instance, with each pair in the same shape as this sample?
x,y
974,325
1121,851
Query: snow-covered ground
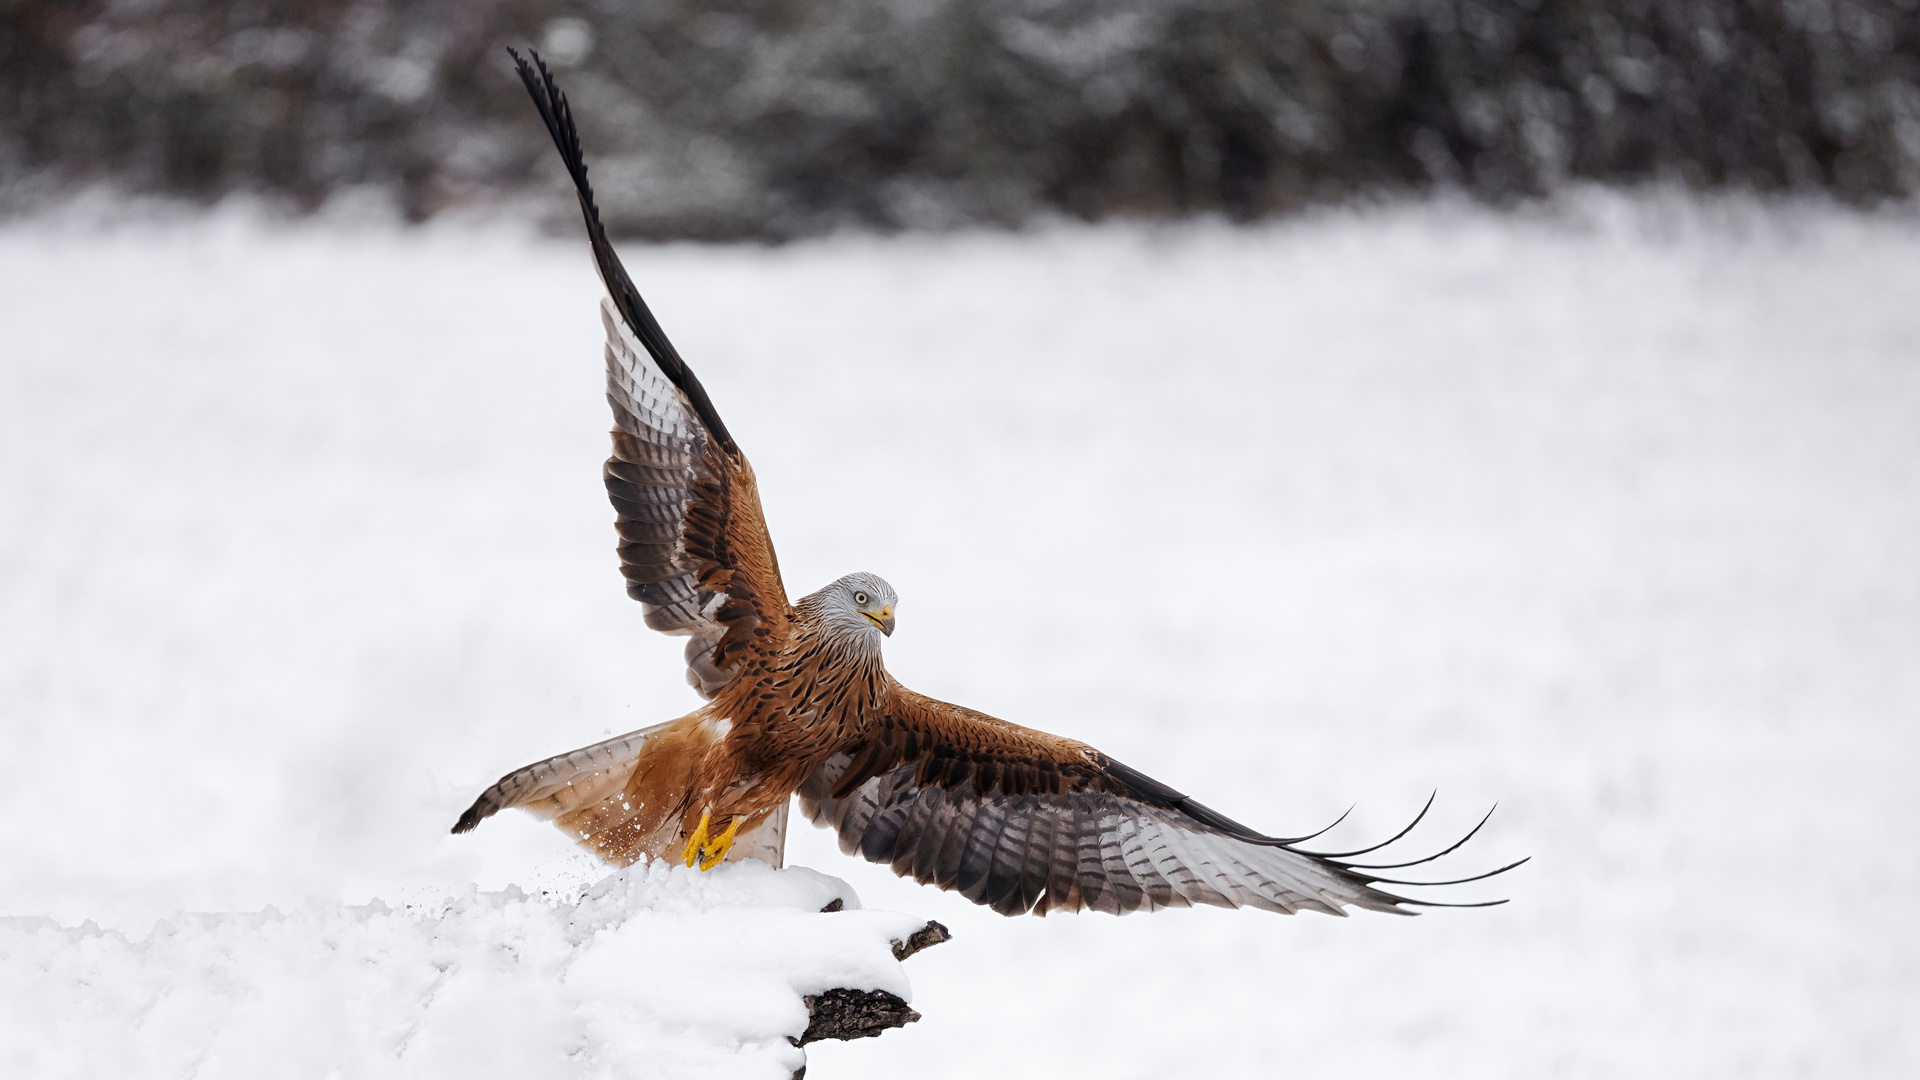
x,y
1608,513
659,971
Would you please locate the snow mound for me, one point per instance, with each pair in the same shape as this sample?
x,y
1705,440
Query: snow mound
x,y
654,971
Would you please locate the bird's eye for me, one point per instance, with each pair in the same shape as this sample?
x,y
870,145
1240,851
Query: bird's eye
x,y
861,598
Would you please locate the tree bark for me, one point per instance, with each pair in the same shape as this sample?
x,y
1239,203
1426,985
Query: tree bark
x,y
864,1014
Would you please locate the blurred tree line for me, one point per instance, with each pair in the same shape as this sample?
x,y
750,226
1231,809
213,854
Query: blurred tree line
x,y
777,118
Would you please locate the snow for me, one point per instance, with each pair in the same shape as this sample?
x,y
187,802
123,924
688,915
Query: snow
x,y
658,971
1604,511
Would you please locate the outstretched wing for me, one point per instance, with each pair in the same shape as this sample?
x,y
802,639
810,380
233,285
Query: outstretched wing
x,y
1019,820
565,782
585,792
693,541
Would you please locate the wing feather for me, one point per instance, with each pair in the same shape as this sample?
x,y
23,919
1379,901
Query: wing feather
x,y
1006,851
1124,891
591,794
976,852
1184,865
1134,844
564,782
1036,858
693,544
1019,820
946,818
1062,887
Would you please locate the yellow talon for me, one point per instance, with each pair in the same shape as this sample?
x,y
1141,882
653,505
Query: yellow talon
x,y
718,847
697,841
708,851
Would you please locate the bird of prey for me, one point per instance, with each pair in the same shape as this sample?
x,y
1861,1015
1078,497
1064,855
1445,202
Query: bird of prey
x,y
798,701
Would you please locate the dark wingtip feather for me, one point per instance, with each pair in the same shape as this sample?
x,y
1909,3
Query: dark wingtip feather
x,y
1362,872
1329,827
1442,903
1456,881
1448,850
473,816
1417,818
557,114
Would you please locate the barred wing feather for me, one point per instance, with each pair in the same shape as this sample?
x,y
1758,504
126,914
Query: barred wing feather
x,y
585,791
565,782
694,546
1069,851
1022,821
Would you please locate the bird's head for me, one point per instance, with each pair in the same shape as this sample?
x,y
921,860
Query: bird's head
x,y
860,603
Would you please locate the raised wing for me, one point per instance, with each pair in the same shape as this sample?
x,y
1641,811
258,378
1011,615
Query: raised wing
x,y
1019,820
693,541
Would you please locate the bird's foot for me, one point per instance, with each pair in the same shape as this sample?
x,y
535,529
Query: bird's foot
x,y
708,851
697,841
718,847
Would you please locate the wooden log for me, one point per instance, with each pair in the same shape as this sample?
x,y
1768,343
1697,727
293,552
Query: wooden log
x,y
864,1014
854,1014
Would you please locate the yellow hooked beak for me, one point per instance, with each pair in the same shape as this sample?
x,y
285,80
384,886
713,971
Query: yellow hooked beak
x,y
884,620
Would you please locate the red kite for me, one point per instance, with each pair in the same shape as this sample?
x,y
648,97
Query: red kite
x,y
798,701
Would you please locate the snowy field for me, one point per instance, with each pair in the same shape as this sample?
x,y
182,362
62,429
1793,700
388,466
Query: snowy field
x,y
1610,514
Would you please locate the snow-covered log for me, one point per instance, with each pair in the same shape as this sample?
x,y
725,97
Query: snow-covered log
x,y
654,971
862,1014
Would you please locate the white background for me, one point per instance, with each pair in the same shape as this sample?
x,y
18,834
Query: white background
x,y
1610,513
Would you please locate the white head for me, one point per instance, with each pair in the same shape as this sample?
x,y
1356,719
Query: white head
x,y
858,604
